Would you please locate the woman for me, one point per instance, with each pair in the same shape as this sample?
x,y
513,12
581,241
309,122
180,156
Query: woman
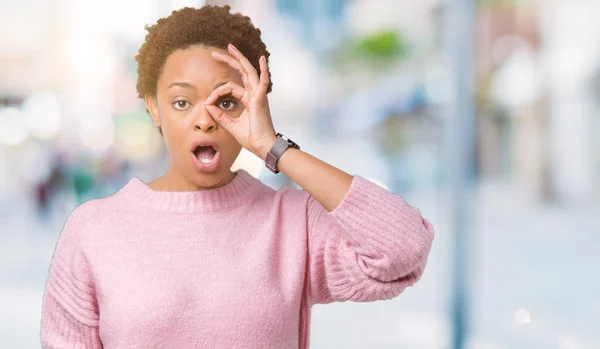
x,y
204,257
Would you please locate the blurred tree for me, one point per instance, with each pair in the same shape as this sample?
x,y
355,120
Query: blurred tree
x,y
385,45
377,51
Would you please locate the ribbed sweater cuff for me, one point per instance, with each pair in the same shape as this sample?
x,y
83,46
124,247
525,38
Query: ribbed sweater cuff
x,y
350,281
76,296
60,330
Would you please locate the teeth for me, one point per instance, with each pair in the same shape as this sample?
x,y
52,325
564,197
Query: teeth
x,y
205,161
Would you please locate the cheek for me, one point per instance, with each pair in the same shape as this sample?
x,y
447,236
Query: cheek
x,y
239,112
235,112
228,137
172,138
173,131
232,156
233,143
233,149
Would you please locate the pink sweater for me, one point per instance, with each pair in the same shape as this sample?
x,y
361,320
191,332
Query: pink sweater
x,y
235,267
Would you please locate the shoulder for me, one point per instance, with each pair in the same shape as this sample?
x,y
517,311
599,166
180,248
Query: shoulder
x,y
288,194
97,207
93,213
285,197
87,210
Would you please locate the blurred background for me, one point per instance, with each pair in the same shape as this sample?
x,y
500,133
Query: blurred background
x,y
484,114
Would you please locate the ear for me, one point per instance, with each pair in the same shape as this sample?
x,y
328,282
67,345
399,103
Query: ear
x,y
152,106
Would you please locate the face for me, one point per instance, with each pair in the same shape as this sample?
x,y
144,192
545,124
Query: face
x,y
201,152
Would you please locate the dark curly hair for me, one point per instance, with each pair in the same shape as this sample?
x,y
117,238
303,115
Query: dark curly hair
x,y
210,26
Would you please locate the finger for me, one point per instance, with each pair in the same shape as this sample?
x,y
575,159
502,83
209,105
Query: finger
x,y
259,98
263,84
230,88
235,64
226,121
248,67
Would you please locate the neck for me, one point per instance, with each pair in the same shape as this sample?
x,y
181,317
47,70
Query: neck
x,y
173,181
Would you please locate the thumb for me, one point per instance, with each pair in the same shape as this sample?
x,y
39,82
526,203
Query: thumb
x,y
220,117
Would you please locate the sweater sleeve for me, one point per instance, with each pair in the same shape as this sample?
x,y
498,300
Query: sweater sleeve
x,y
70,313
371,247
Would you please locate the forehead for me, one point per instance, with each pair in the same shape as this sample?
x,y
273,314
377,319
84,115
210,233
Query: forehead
x,y
195,65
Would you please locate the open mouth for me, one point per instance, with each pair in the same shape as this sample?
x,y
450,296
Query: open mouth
x,y
205,153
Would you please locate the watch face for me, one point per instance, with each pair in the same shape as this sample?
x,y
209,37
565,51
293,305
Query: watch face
x,y
288,141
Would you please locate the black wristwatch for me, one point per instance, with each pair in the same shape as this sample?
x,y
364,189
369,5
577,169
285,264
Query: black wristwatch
x,y
281,145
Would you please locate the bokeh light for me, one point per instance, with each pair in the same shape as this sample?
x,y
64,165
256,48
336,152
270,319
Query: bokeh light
x,y
13,130
98,139
42,112
522,317
136,138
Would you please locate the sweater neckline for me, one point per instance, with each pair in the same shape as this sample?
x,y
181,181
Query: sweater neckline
x,y
238,191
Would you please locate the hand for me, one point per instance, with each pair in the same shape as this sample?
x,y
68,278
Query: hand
x,y
253,129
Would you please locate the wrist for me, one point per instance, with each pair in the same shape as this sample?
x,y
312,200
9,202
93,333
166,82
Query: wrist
x,y
265,146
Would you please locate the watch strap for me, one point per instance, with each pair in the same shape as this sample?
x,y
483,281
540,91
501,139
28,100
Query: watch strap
x,y
282,143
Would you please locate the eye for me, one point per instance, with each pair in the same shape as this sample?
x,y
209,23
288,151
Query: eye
x,y
227,104
181,105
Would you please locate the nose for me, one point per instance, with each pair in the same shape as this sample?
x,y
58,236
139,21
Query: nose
x,y
205,122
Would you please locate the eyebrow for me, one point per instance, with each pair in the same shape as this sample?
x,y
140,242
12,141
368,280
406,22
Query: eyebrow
x,y
182,84
190,86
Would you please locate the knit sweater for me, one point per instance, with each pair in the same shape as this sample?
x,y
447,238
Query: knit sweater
x,y
234,267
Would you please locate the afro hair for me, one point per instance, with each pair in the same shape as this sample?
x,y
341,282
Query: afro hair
x,y
209,26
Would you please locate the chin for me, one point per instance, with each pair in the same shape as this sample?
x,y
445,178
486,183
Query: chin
x,y
209,180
